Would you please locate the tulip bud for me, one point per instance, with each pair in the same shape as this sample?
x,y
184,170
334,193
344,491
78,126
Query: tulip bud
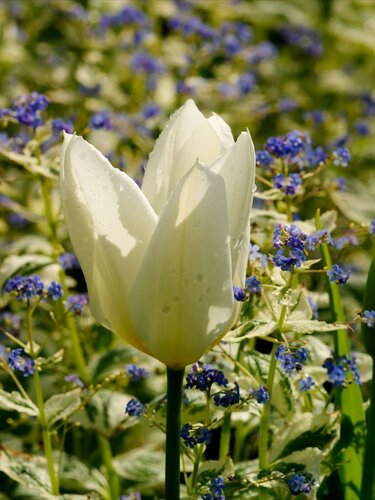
x,y
160,262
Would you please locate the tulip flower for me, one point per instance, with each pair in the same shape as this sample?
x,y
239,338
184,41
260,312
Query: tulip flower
x,y
161,261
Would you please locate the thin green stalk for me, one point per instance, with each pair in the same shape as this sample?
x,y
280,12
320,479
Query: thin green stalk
x,y
199,453
112,477
348,399
46,436
79,359
368,476
264,419
172,459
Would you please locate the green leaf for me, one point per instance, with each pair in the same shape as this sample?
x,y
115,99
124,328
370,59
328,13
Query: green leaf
x,y
61,406
76,477
31,471
105,412
14,401
144,468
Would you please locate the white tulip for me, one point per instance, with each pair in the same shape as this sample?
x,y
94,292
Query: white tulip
x,y
160,262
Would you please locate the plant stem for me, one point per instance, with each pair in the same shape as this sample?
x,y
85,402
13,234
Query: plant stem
x,y
264,419
112,477
46,436
348,399
172,459
79,359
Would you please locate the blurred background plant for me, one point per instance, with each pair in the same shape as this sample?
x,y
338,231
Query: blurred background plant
x,y
80,412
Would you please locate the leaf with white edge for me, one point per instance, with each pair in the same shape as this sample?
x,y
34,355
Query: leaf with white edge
x,y
309,459
144,467
306,431
61,406
311,326
30,163
77,477
251,330
105,412
308,264
14,401
30,471
270,194
21,264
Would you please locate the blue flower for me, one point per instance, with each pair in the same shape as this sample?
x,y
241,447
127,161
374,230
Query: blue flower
x,y
10,322
341,156
264,159
228,398
143,62
239,294
26,109
336,372
261,395
134,408
202,378
18,360
24,287
371,229
291,362
253,285
136,373
369,318
192,436
338,275
59,125
68,260
299,484
55,291
75,303
306,384
74,379
100,120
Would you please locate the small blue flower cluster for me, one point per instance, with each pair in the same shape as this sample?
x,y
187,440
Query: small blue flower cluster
x,y
289,185
18,360
264,159
305,38
299,483
253,285
228,398
293,245
101,120
75,303
337,370
217,488
306,384
369,318
134,408
74,379
371,229
28,287
261,395
341,157
338,275
291,362
289,145
59,125
24,287
193,436
239,294
68,260
203,377
127,15
136,373
27,109
143,62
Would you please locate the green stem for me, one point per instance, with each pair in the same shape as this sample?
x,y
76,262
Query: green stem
x,y
172,459
368,477
225,436
46,436
112,477
348,399
264,419
79,359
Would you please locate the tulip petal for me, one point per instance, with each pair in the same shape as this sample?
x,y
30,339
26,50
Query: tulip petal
x,y
182,297
222,129
237,168
156,181
103,208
